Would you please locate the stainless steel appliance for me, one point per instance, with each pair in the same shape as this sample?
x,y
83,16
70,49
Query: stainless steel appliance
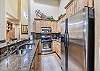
x,y
77,41
46,34
46,37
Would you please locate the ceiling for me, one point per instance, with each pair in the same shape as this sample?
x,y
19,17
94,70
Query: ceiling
x,y
48,2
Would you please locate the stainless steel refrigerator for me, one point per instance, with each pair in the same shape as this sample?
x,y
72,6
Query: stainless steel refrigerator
x,y
77,41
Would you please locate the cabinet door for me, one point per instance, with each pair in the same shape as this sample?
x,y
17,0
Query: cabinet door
x,y
38,26
59,48
58,27
54,45
46,24
49,24
42,24
54,27
34,26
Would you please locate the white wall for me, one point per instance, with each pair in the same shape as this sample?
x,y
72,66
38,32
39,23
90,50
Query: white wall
x,y
97,34
2,20
63,3
24,12
12,7
24,16
46,9
30,16
48,2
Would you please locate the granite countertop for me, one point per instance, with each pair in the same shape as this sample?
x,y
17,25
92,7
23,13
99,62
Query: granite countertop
x,y
19,62
2,45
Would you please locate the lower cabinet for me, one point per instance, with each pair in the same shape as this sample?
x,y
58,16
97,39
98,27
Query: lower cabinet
x,y
56,46
36,64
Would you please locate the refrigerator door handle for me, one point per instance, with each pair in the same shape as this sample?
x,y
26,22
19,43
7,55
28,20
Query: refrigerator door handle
x,y
68,39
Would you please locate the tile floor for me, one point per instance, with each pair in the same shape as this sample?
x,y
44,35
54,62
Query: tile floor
x,y
49,63
73,66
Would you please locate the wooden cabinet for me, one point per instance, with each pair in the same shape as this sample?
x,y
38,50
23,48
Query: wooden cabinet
x,y
75,6
59,26
42,23
46,23
53,45
34,26
38,26
10,31
36,63
56,46
49,24
54,27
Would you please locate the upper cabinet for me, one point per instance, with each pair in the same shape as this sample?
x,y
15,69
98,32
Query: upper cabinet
x,y
54,26
46,23
76,5
38,26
